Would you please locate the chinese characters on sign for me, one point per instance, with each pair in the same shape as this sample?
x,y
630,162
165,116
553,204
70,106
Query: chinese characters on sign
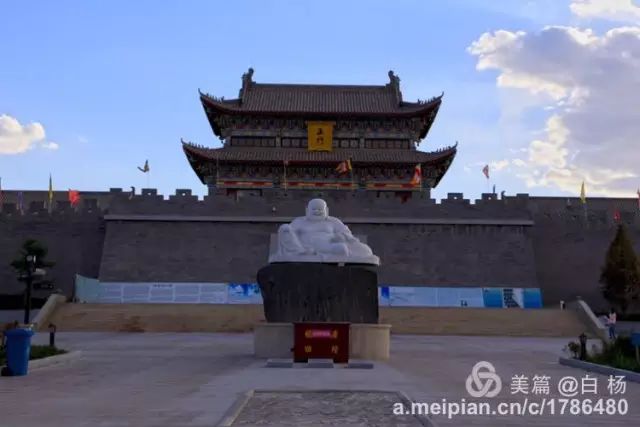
x,y
318,340
320,136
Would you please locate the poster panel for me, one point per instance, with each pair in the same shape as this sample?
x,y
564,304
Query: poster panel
x,y
244,293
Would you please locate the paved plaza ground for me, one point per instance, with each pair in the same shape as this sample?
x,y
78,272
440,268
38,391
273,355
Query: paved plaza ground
x,y
169,379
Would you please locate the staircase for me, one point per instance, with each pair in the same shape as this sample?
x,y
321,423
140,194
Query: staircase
x,y
157,317
544,322
241,318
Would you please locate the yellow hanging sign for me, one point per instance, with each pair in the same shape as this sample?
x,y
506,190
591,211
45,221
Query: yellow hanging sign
x,y
320,136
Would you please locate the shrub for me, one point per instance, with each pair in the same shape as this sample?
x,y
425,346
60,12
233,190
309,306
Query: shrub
x,y
618,354
574,349
620,275
37,352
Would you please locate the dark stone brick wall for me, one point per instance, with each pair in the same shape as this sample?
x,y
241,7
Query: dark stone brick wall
x,y
518,241
184,251
570,244
411,254
452,255
74,241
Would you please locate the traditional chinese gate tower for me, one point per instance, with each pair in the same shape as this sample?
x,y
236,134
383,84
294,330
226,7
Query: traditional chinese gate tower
x,y
299,136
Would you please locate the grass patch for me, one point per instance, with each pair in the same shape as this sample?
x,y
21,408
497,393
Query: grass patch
x,y
37,352
618,354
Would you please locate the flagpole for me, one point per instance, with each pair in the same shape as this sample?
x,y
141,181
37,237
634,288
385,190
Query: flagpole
x,y
583,199
20,201
586,217
50,194
351,173
284,166
217,169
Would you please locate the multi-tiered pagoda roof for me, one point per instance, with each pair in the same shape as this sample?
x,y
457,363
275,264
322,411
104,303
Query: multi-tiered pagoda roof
x,y
264,129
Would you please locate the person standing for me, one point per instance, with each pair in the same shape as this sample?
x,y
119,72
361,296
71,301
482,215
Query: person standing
x,y
612,318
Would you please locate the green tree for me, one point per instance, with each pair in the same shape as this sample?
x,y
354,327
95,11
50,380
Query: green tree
x,y
34,248
620,276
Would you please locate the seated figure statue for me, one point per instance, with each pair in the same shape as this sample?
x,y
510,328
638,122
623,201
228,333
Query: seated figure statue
x,y
318,237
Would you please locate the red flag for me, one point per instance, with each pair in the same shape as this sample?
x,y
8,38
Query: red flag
x,y
74,197
417,175
344,167
616,215
485,171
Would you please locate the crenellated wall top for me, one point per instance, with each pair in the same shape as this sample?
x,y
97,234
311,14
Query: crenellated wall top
x,y
597,212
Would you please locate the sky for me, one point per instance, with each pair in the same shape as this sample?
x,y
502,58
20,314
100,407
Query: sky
x,y
546,92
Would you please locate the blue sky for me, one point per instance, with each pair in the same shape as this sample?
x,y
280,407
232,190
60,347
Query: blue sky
x,y
115,83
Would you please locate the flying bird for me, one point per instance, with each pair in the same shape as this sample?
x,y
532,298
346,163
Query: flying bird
x,y
145,168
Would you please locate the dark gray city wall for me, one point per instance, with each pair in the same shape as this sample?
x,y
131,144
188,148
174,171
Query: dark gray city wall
x,y
412,254
553,243
223,238
570,243
74,241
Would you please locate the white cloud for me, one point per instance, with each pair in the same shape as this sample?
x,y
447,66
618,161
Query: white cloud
x,y
614,10
16,138
589,85
519,162
498,165
50,145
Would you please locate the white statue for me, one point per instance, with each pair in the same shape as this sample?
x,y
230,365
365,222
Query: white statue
x,y
318,237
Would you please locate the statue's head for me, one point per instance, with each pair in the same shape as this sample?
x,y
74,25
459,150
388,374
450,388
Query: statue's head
x,y
317,209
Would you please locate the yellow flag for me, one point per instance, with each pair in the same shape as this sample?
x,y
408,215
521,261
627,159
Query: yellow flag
x,y
583,194
320,136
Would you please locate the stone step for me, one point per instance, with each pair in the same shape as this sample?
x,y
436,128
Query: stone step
x,y
482,321
318,363
241,318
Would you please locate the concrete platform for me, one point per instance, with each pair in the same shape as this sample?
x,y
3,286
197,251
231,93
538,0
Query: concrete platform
x,y
191,380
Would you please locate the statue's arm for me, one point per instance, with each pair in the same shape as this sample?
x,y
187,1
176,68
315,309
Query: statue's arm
x,y
343,230
297,227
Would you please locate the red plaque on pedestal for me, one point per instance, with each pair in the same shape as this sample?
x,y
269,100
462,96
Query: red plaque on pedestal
x,y
321,340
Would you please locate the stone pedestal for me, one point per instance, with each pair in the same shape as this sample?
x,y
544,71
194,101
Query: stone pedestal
x,y
273,340
370,342
315,292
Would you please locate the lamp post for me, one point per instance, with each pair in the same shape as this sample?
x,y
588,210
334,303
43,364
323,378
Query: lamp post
x,y
31,267
583,346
